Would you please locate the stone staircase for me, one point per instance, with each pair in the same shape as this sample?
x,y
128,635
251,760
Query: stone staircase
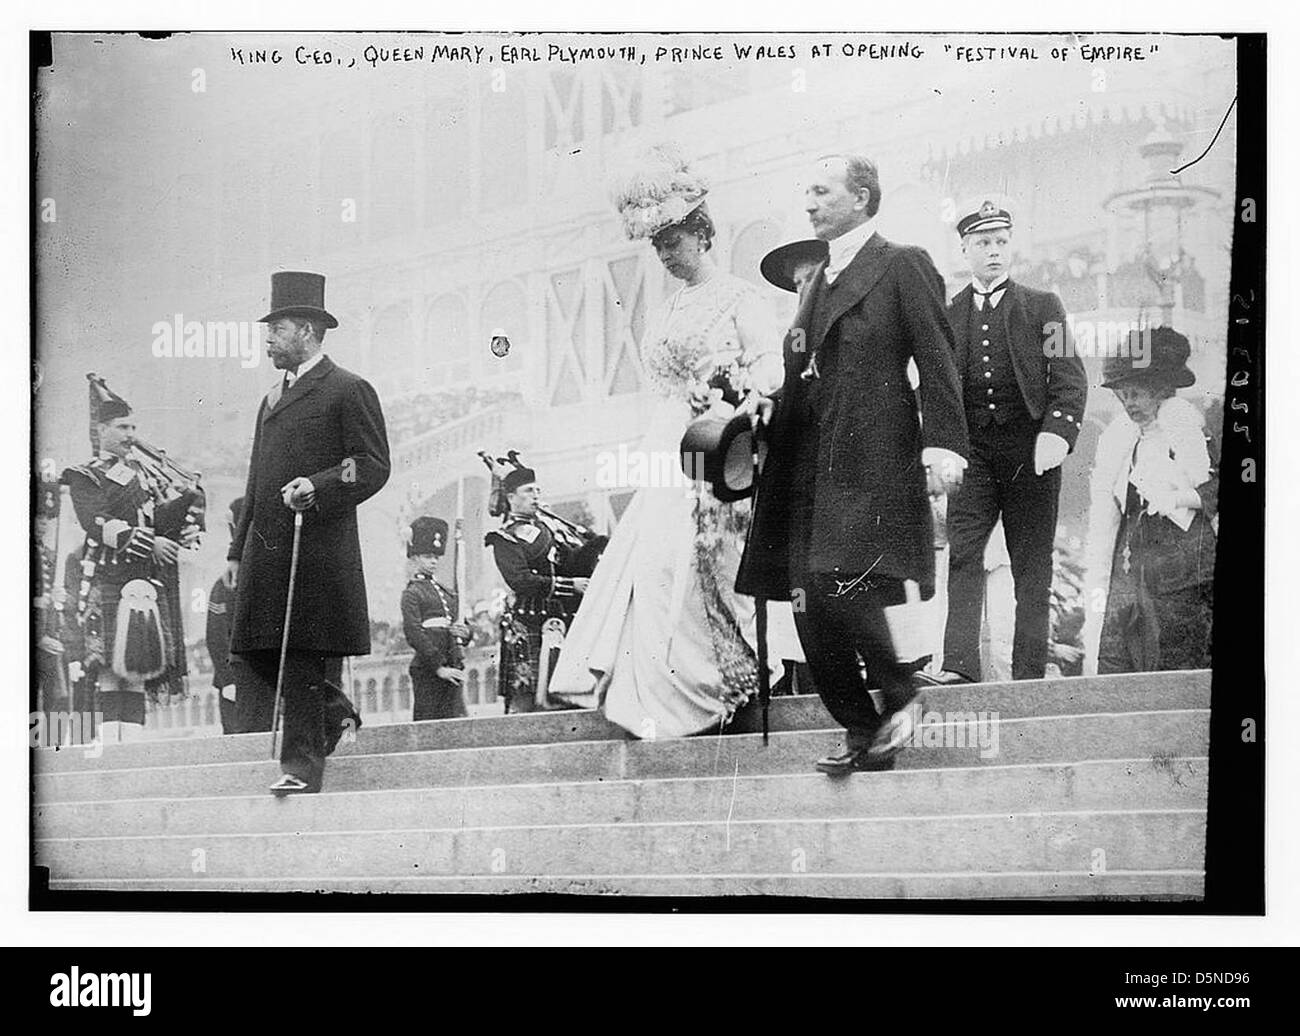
x,y
1097,789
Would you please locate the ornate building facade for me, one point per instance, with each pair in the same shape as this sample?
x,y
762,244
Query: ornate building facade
x,y
445,203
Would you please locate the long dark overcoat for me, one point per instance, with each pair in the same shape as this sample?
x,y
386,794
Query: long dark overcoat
x,y
328,427
860,458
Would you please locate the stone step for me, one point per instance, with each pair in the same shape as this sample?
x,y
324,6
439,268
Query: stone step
x,y
1124,840
1122,693
1015,885
1119,784
1164,734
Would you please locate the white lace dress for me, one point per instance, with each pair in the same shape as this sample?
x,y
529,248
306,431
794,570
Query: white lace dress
x,y
661,638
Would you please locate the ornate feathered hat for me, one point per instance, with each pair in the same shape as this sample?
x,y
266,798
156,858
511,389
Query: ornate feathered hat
x,y
660,192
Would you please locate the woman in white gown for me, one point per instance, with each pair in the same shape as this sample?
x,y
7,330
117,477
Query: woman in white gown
x,y
661,638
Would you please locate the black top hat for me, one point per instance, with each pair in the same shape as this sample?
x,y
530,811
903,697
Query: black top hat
x,y
989,217
518,477
720,451
297,294
778,265
428,536
1163,362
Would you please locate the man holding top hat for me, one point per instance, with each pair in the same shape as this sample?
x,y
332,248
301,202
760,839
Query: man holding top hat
x,y
842,520
1024,406
319,448
429,612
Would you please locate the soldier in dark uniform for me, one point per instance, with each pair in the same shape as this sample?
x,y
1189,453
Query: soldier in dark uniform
x,y
51,688
429,622
128,603
1024,405
227,671
529,557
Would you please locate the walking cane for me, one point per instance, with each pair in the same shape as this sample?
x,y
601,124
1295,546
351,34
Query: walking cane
x,y
284,640
760,602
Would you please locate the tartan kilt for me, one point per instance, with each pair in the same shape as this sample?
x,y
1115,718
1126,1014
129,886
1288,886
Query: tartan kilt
x,y
104,613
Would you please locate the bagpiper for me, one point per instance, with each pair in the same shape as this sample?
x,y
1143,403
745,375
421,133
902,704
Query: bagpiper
x,y
429,613
531,558
137,514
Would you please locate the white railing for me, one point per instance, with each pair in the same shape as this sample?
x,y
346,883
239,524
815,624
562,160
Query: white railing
x,y
380,690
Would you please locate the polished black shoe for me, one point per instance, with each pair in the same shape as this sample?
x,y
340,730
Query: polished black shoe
x,y
859,760
943,678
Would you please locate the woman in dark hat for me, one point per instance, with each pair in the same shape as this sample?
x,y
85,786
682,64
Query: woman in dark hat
x,y
662,639
1153,524
788,267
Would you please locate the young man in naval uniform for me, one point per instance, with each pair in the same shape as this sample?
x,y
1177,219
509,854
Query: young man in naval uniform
x,y
1023,405
527,556
429,622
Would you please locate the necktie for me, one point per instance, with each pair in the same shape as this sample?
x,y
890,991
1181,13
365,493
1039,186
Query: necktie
x,y
987,296
279,390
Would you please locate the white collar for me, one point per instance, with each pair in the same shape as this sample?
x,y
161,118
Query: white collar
x,y
845,248
998,284
304,367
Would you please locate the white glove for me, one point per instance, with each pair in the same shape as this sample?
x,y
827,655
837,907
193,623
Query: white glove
x,y
228,692
1161,500
1049,450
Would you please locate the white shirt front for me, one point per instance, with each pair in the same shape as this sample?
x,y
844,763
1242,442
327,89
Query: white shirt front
x,y
845,248
291,376
998,291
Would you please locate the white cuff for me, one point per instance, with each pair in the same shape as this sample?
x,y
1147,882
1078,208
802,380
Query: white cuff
x,y
934,456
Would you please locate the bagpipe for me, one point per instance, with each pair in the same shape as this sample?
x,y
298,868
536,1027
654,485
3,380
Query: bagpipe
x,y
138,647
181,499
581,548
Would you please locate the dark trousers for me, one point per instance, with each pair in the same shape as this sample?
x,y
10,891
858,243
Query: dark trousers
x,y
314,711
436,698
844,636
229,713
1000,481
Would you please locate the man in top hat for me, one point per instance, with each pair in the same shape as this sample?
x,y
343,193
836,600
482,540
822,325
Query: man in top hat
x,y
429,613
1024,406
528,556
842,520
128,601
320,448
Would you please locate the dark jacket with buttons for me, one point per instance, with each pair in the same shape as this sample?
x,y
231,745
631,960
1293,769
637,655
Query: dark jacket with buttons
x,y
428,612
1052,379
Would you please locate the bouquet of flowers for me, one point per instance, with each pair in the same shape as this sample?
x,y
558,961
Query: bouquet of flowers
x,y
676,366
